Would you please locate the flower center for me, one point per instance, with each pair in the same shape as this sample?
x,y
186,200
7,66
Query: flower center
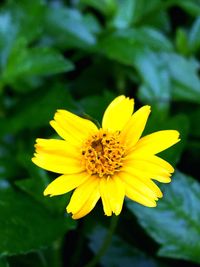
x,y
103,153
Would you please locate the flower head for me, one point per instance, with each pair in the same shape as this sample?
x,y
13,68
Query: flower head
x,y
108,163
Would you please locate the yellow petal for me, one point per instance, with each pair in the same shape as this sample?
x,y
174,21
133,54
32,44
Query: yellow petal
x,y
157,142
59,164
135,126
163,178
143,187
65,183
161,162
72,127
56,147
151,158
105,197
57,156
82,194
144,178
117,113
89,204
146,166
138,197
116,194
147,170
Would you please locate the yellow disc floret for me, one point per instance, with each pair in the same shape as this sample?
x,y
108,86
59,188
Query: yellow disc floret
x,y
103,153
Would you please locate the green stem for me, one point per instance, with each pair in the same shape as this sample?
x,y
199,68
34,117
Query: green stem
x,y
106,243
56,257
42,258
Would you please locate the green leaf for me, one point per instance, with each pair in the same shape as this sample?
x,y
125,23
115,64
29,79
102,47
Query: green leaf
x,y
107,7
92,24
156,86
184,74
154,38
35,187
37,110
182,45
15,23
118,49
22,215
164,79
174,223
136,11
140,12
68,28
125,13
124,45
34,61
6,40
120,253
194,36
24,14
191,6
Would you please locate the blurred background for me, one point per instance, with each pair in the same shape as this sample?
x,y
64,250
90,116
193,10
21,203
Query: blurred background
x,y
78,55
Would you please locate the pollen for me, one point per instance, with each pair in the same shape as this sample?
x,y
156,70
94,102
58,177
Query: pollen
x,y
103,153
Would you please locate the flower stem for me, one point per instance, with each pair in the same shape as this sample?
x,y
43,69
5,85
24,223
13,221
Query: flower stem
x,y
106,243
56,256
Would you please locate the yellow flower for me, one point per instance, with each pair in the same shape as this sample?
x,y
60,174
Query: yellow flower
x,y
108,163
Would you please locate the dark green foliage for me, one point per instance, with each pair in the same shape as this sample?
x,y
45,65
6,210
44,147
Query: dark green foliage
x,y
120,253
28,225
175,222
79,55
